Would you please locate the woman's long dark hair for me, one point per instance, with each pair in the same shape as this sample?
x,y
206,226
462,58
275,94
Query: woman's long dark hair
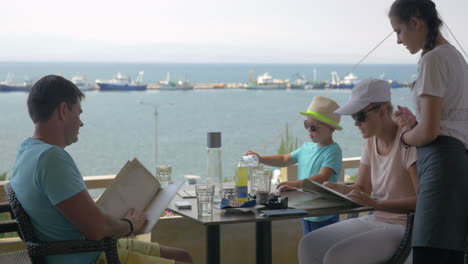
x,y
423,9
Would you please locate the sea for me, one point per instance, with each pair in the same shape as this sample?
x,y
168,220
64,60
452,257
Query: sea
x,y
120,126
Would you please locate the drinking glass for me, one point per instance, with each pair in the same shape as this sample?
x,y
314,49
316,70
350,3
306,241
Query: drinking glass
x,y
163,174
260,184
205,193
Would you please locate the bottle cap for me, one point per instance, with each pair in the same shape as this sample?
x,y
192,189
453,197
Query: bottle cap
x,y
214,140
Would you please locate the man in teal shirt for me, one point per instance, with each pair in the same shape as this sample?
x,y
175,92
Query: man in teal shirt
x,y
319,160
48,183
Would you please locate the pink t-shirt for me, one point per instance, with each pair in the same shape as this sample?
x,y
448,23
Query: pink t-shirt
x,y
389,175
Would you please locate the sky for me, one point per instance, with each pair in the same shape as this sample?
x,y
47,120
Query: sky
x,y
211,31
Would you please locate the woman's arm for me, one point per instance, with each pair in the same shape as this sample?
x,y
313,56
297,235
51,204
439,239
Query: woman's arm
x,y
363,181
428,127
393,206
362,184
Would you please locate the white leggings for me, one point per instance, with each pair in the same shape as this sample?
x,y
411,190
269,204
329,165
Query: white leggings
x,y
358,240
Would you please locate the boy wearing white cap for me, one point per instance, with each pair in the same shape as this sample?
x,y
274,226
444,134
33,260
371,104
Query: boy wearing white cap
x,y
319,160
387,171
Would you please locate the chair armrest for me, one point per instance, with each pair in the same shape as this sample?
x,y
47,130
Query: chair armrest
x,y
403,251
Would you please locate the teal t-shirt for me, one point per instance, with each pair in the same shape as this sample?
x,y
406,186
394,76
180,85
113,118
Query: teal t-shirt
x,y
43,176
311,158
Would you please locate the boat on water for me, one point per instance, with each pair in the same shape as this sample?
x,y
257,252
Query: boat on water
x,y
9,86
265,82
395,84
15,87
169,85
348,81
313,84
318,85
123,83
300,83
81,81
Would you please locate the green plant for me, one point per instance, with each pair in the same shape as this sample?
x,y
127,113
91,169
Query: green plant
x,y
288,142
3,176
351,178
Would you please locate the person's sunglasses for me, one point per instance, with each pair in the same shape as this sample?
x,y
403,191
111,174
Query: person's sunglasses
x,y
361,116
308,125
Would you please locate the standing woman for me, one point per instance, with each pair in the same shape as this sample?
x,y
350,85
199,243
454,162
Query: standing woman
x,y
439,130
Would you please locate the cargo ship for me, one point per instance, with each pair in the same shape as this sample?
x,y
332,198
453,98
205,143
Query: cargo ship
x,y
123,83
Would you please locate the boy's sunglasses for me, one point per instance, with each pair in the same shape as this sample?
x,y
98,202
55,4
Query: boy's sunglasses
x,y
308,125
361,116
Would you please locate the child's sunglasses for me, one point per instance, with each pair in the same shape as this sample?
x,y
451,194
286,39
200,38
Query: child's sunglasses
x,y
308,125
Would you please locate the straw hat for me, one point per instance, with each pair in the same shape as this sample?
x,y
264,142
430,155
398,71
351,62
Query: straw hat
x,y
322,109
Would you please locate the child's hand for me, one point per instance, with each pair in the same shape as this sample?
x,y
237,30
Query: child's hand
x,y
286,186
250,152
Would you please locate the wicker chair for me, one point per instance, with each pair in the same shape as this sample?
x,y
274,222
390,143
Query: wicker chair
x,y
403,251
37,250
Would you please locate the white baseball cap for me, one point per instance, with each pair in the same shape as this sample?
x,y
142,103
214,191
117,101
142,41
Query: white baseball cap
x,y
364,93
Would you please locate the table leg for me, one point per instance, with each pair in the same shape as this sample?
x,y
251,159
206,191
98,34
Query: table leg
x,y
263,230
212,244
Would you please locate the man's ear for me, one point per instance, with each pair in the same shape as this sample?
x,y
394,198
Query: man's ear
x,y
61,110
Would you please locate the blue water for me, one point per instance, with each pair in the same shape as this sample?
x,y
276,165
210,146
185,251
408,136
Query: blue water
x,y
117,128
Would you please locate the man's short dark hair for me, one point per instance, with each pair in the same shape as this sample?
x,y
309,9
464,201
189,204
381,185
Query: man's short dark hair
x,y
47,93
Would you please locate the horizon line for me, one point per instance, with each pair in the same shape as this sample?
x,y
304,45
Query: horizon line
x,y
203,62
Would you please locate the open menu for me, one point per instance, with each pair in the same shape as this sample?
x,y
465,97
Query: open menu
x,y
135,187
319,196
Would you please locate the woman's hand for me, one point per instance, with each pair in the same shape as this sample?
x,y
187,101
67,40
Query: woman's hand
x,y
405,118
138,219
362,198
331,185
282,186
341,188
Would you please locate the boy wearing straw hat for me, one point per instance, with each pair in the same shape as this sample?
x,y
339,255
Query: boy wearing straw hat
x,y
319,160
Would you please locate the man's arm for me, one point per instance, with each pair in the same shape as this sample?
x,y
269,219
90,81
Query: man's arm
x,y
82,212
